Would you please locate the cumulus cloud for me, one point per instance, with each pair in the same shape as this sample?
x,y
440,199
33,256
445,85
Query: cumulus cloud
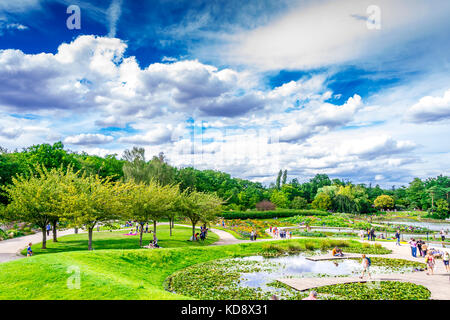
x,y
322,33
317,118
10,133
88,139
158,134
430,109
380,146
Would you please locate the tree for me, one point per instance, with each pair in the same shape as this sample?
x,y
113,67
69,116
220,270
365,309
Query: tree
x,y
199,206
279,199
40,198
299,203
96,200
161,171
136,168
442,209
284,179
151,201
384,202
279,179
322,202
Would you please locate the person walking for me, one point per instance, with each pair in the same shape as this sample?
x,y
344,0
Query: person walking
x,y
397,236
419,247
372,234
146,227
48,230
429,260
413,245
446,259
368,234
365,263
442,235
255,234
251,236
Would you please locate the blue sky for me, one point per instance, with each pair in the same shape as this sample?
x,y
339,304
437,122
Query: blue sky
x,y
358,91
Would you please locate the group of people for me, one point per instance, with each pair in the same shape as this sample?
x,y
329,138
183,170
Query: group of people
x,y
153,244
202,235
282,234
430,254
370,233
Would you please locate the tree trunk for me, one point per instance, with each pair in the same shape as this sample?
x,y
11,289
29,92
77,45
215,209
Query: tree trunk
x,y
55,237
193,231
154,227
170,226
76,230
90,230
141,233
44,238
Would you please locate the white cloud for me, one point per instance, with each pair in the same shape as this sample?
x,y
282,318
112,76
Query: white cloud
x,y
324,33
430,109
88,139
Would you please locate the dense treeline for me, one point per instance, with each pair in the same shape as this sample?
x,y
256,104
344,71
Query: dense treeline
x,y
320,192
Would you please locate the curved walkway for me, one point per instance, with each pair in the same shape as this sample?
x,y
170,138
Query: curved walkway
x,y
438,284
10,248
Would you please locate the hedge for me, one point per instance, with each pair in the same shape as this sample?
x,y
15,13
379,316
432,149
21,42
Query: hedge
x,y
271,214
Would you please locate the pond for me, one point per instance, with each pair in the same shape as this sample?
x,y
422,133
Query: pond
x,y
255,277
435,226
298,266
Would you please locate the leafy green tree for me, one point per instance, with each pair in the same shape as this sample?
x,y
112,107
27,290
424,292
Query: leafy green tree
x,y
384,202
279,199
284,179
442,209
199,207
136,168
161,171
39,198
322,202
299,203
152,201
278,183
96,200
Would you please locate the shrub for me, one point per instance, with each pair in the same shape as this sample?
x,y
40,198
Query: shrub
x,y
265,205
272,214
309,245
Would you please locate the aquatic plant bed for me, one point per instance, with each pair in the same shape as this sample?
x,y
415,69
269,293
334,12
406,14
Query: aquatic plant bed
x,y
383,290
254,277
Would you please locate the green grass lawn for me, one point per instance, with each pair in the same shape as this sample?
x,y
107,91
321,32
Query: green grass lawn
x,y
120,274
117,240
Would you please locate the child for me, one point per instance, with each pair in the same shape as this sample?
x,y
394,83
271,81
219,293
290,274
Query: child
x,y
29,251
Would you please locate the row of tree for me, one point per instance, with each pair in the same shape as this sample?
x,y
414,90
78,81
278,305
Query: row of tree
x,y
79,200
239,194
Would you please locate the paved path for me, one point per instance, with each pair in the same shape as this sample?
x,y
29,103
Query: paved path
x,y
10,248
438,284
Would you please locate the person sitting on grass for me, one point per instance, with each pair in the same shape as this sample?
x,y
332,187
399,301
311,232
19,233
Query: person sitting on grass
x,y
336,252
